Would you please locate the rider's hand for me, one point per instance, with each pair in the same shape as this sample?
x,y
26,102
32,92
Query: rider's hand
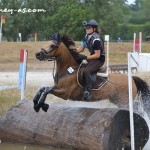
x,y
82,57
84,61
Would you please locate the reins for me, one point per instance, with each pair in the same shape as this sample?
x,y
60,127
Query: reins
x,y
54,67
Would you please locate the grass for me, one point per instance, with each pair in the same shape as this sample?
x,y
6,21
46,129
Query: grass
x,y
9,97
9,61
10,53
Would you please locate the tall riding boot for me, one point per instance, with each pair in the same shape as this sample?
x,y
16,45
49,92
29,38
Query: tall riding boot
x,y
88,86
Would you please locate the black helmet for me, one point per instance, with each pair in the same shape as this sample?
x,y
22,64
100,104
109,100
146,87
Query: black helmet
x,y
91,23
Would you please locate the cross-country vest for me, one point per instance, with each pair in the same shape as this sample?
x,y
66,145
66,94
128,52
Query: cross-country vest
x,y
89,41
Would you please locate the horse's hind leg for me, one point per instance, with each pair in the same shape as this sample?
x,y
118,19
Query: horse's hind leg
x,y
42,100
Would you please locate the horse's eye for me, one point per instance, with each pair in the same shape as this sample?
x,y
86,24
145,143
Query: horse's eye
x,y
52,47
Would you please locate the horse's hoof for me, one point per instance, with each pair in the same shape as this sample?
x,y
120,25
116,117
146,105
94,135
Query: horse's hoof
x,y
37,108
42,89
35,103
45,107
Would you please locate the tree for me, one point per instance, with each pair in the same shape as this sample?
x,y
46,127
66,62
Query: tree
x,y
109,14
66,16
68,19
17,22
140,12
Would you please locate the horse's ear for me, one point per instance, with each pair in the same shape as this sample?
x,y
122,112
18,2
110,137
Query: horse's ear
x,y
58,38
53,37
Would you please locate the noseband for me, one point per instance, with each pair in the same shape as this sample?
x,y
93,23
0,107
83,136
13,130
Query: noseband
x,y
50,50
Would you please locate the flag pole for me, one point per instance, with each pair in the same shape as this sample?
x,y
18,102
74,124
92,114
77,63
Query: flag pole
x,y
1,30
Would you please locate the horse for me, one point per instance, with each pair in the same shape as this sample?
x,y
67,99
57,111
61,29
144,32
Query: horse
x,y
66,86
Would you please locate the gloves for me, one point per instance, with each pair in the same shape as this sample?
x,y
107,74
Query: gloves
x,y
82,57
84,61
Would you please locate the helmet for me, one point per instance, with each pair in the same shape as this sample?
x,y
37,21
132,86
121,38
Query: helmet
x,y
92,23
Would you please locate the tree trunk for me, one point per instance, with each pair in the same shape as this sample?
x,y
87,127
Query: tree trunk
x,y
72,127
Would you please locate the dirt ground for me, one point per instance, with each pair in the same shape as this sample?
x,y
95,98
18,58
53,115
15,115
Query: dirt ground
x,y
40,79
43,78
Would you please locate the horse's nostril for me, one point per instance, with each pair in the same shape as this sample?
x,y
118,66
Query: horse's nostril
x,y
40,55
37,54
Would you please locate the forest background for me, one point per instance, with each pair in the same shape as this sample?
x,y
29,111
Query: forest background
x,y
117,18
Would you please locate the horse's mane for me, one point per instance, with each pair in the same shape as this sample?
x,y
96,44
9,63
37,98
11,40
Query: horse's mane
x,y
67,40
70,44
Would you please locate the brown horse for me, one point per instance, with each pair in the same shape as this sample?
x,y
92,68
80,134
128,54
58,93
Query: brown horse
x,y
62,50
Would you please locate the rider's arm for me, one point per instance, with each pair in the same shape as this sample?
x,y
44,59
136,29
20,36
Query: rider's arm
x,y
81,48
94,56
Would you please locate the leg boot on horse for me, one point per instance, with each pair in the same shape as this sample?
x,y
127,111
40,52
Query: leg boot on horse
x,y
39,99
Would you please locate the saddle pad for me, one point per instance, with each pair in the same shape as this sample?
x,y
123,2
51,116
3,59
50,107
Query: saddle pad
x,y
98,81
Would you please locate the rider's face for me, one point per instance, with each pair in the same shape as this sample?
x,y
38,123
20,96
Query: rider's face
x,y
89,30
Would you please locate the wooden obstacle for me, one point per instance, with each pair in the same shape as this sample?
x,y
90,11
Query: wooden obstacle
x,y
121,68
71,127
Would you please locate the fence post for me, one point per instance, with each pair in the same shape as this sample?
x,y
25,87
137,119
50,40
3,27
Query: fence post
x,y
107,40
131,102
140,42
134,37
22,72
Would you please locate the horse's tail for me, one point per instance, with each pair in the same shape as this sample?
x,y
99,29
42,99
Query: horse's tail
x,y
143,89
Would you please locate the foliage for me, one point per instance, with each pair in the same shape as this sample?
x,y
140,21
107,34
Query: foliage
x,y
68,19
66,16
140,12
6,100
138,21
125,32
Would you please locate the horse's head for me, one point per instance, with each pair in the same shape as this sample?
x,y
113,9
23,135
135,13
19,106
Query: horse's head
x,y
59,48
50,50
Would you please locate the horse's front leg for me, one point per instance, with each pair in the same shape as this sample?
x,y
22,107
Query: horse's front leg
x,y
37,96
42,94
40,97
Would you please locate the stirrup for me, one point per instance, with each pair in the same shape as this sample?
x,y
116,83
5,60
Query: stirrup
x,y
86,95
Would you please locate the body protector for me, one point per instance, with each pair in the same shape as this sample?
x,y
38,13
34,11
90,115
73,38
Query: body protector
x,y
89,41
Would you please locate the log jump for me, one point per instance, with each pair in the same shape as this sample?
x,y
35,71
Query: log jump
x,y
71,127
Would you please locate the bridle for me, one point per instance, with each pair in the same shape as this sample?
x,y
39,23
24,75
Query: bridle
x,y
52,59
51,49
45,54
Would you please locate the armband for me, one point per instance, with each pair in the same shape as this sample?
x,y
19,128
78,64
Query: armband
x,y
83,43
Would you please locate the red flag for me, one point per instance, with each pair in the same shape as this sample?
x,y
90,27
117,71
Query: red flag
x,y
3,19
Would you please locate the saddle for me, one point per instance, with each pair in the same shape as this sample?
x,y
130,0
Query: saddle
x,y
99,78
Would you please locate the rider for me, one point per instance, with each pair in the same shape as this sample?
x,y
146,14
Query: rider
x,y
96,59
